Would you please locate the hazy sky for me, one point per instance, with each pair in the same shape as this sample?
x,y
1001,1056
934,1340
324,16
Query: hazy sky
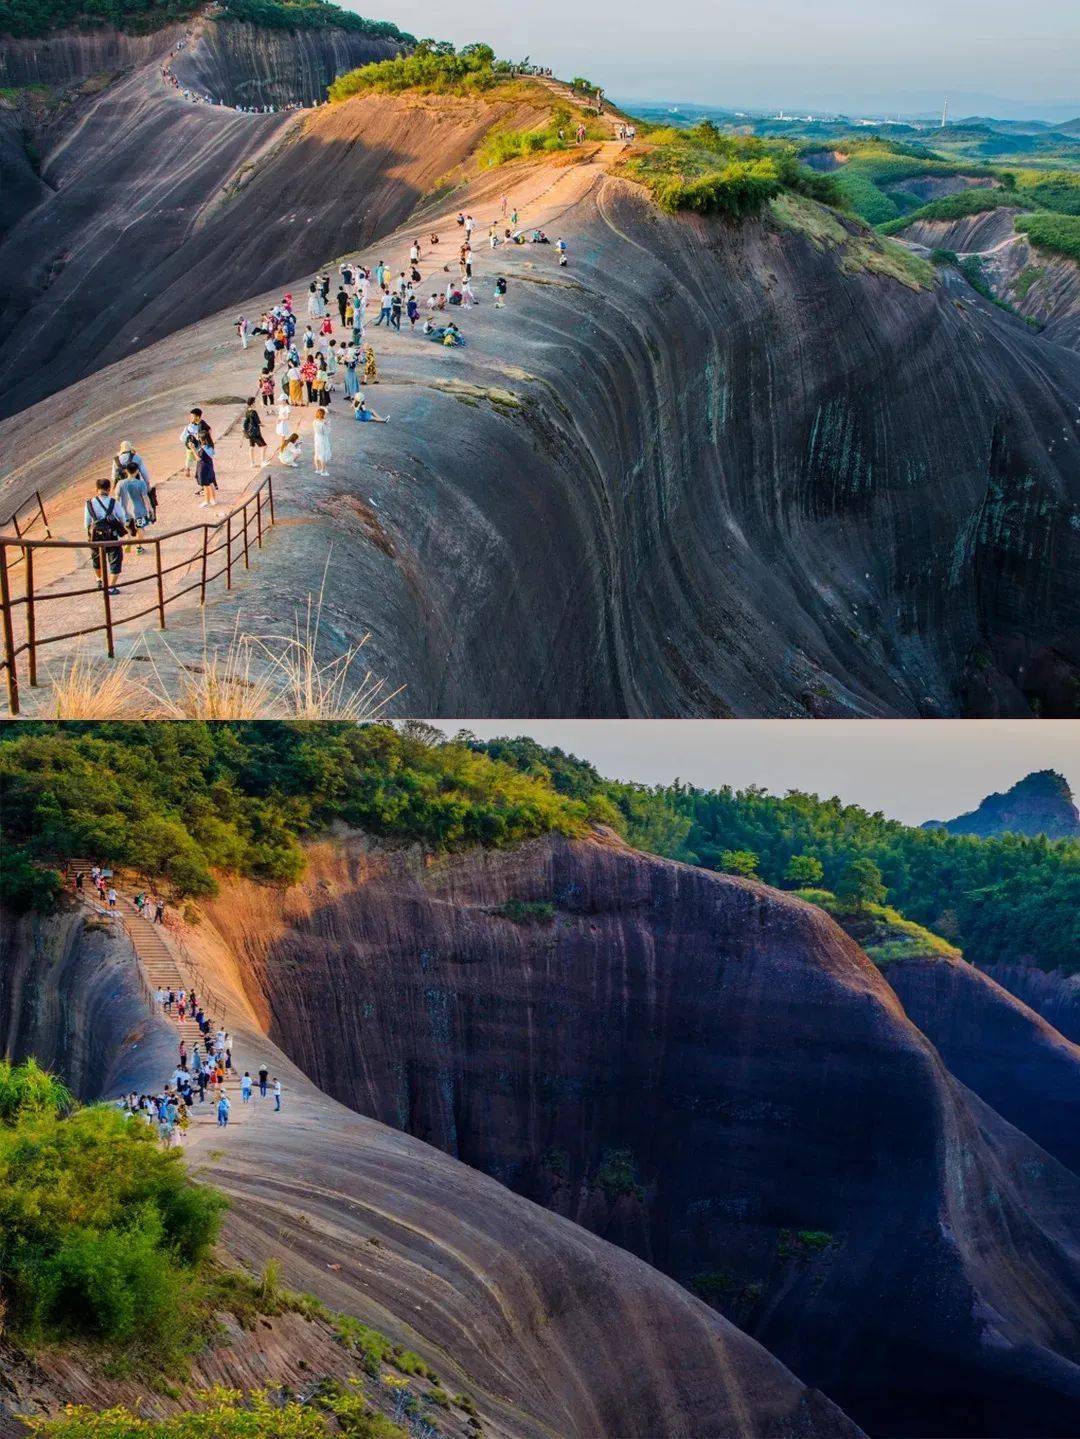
x,y
873,55
911,769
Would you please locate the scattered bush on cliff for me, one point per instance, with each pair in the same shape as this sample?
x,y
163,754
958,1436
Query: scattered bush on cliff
x,y
229,1414
705,170
977,201
1059,234
1006,897
433,67
557,134
102,1232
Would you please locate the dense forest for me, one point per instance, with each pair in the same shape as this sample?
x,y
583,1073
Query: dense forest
x,y
38,17
996,899
178,802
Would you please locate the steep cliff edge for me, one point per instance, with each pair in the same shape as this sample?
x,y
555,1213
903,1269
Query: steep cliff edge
x,y
1012,1058
787,479
177,208
712,1075
551,1330
71,998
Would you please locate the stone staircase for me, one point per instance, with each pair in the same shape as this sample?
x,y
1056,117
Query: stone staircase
x,y
156,960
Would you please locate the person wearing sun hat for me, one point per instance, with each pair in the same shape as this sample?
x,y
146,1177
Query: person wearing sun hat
x,y
133,489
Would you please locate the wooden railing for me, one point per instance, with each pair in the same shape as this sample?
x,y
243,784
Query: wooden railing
x,y
233,537
36,513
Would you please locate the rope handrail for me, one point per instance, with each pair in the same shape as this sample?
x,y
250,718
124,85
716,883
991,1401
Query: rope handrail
x,y
243,527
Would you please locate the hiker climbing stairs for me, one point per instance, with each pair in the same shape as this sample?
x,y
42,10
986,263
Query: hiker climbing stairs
x,y
158,963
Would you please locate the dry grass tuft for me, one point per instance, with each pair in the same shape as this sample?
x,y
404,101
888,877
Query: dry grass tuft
x,y
98,688
226,685
308,688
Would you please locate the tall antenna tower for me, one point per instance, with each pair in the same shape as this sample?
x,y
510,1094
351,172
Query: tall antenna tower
x,y
945,113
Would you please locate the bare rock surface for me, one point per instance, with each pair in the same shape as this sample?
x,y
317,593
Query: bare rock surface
x,y
549,1328
712,1075
992,1042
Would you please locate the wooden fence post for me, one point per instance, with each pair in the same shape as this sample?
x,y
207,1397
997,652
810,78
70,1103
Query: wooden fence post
x,y
202,583
160,586
270,495
258,516
228,552
104,576
9,635
247,565
31,618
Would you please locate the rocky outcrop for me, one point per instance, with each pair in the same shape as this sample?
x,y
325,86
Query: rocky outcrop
x,y
1052,994
932,187
737,508
549,1329
66,57
72,997
241,64
1040,803
1013,1059
714,1076
969,235
212,207
1039,285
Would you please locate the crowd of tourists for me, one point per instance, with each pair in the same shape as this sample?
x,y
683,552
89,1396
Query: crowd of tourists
x,y
151,907
312,351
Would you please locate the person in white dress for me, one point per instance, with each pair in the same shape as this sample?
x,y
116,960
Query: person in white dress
x,y
284,420
320,431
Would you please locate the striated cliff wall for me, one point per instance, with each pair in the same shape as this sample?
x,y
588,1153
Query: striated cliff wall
x,y
244,64
1012,1058
69,56
71,996
1054,995
712,1075
549,1329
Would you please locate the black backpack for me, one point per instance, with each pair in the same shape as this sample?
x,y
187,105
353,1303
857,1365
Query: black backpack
x,y
106,526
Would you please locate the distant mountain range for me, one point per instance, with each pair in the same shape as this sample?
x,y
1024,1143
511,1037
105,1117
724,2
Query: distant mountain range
x,y
1040,803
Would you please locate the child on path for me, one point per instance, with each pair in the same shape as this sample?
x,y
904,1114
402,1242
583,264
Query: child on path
x,y
277,1096
223,1107
245,1087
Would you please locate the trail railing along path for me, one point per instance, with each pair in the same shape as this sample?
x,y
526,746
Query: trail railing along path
x,y
184,561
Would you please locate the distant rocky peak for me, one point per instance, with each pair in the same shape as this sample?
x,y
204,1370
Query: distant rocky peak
x,y
1040,803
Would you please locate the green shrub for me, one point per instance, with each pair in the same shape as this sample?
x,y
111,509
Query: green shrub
x,y
432,68
25,885
616,1175
177,802
103,1233
528,911
1056,234
228,1414
38,17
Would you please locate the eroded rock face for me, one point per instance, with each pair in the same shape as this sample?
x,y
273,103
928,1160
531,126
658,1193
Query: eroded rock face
x,y
714,1076
1052,994
548,1328
1013,1059
245,64
71,998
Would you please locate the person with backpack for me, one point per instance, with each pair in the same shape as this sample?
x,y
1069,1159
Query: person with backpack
x,y
254,435
106,520
138,497
264,1075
